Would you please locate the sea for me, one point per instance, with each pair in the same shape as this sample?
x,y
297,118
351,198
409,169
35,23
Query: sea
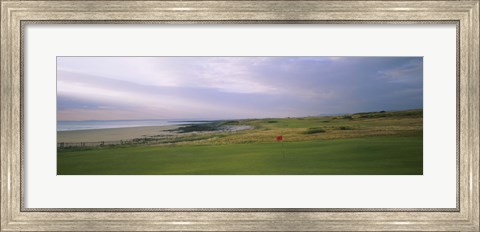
x,y
106,124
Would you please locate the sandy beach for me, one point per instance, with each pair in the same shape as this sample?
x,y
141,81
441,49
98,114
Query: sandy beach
x,y
113,134
129,133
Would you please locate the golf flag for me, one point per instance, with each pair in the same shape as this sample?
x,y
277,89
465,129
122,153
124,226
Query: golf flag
x,y
279,138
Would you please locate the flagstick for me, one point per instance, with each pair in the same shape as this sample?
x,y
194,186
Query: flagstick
x,y
283,148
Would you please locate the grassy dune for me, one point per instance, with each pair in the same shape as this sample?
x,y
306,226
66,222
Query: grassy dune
x,y
365,143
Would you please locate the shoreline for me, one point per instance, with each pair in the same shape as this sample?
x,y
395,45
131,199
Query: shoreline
x,y
141,132
114,134
257,130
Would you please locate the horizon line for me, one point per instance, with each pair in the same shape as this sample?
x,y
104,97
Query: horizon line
x,y
220,119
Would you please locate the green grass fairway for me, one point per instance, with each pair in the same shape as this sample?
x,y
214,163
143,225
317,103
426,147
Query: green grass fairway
x,y
376,155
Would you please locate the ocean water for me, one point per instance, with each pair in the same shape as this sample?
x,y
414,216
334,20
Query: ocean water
x,y
104,124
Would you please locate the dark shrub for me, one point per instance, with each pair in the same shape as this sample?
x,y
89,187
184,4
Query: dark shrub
x,y
231,123
314,130
197,127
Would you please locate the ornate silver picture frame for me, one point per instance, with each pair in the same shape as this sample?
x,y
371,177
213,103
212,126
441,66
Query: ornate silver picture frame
x,y
16,14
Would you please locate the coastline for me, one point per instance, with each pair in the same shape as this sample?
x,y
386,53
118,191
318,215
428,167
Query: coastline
x,y
114,134
142,132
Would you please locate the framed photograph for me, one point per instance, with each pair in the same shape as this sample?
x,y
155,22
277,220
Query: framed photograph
x,y
240,116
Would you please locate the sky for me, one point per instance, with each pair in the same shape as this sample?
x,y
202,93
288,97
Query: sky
x,y
129,88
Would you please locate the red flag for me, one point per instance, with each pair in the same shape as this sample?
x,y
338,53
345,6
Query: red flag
x,y
279,138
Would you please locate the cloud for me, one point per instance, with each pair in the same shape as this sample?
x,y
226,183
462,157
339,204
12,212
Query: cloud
x,y
223,74
233,87
86,97
405,73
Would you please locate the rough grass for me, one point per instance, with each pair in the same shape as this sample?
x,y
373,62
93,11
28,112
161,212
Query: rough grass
x,y
293,129
314,130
